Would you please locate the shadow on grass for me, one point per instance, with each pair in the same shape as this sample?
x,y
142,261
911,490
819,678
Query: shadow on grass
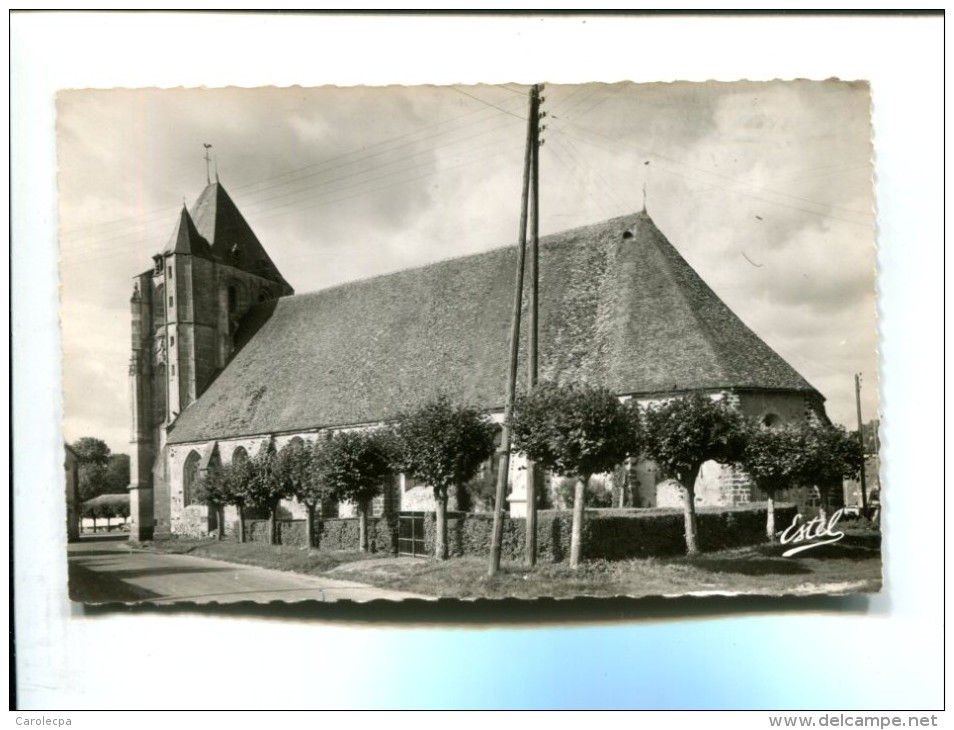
x,y
838,551
750,566
854,548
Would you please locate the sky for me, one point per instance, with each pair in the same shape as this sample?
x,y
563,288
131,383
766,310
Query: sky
x,y
764,187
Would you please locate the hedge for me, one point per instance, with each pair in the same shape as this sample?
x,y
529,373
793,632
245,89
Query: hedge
x,y
611,534
330,534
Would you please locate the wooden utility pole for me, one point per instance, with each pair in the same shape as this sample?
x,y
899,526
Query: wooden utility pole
x,y
535,99
861,437
503,471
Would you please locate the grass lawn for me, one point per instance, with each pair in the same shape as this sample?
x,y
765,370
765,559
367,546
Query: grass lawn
x,y
852,565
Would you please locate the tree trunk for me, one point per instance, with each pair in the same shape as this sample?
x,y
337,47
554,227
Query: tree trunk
x,y
94,524
692,525
530,542
440,539
310,526
241,525
272,532
823,505
220,515
363,526
576,533
770,519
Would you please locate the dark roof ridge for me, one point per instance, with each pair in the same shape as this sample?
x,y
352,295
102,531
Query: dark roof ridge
x,y
656,237
677,267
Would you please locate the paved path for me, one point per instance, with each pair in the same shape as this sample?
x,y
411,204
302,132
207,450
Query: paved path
x,y
106,570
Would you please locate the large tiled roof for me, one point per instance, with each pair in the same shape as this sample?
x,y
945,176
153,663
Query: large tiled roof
x,y
618,306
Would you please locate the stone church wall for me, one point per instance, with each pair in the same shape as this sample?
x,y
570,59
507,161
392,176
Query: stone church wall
x,y
717,486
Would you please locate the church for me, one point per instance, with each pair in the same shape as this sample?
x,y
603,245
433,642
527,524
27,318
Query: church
x,y
227,358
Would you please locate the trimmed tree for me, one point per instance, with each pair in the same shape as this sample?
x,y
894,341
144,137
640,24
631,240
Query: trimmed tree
x,y
684,433
266,489
108,510
240,476
831,454
575,431
443,444
122,510
353,465
774,458
212,490
90,511
301,479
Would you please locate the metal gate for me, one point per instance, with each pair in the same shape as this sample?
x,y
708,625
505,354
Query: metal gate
x,y
411,534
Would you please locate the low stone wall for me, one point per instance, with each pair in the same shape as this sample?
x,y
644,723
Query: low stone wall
x,y
610,534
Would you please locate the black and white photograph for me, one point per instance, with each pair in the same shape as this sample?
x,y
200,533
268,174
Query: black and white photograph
x,y
505,360
353,343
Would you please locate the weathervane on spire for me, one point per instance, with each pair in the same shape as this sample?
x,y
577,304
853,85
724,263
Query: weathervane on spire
x,y
208,159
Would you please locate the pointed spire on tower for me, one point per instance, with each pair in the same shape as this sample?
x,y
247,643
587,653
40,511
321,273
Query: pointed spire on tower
x,y
219,222
186,239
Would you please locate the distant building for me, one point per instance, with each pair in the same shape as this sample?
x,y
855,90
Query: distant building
x,y
225,358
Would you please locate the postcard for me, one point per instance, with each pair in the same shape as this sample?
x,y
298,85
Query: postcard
x,y
473,342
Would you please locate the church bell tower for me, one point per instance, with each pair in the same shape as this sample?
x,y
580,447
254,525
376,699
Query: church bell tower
x,y
185,312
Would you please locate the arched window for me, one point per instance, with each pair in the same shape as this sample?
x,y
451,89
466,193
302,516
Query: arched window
x,y
190,474
239,456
